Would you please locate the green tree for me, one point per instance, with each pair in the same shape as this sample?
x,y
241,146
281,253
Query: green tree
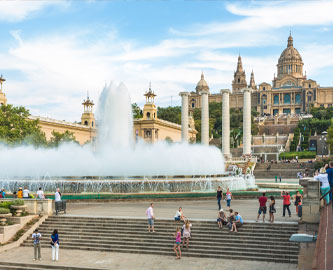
x,y
137,112
171,114
59,138
16,128
330,137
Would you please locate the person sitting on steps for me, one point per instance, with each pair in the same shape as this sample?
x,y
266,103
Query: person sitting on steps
x,y
180,215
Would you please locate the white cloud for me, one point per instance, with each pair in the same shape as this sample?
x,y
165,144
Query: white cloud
x,y
14,10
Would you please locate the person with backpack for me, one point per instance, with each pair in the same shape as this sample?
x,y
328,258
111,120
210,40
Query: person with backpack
x,y
36,236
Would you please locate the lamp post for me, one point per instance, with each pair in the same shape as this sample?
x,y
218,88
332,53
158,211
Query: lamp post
x,y
323,139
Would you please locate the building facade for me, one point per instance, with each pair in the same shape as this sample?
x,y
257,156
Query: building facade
x,y
291,91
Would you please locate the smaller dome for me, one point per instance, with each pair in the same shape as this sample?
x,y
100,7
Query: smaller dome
x,y
202,84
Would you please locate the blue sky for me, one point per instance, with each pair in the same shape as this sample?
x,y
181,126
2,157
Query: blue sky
x,y
52,53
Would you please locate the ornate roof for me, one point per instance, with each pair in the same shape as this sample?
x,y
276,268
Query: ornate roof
x,y
290,54
202,84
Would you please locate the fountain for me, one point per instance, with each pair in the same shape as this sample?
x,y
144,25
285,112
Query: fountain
x,y
115,163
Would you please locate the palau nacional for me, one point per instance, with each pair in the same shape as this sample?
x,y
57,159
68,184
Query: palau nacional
x,y
280,104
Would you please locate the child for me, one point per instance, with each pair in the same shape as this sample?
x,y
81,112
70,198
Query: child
x,y
178,242
272,209
228,196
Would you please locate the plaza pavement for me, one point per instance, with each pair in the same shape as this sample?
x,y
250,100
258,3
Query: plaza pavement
x,y
193,209
127,261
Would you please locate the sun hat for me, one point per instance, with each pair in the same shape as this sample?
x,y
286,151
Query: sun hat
x,y
221,210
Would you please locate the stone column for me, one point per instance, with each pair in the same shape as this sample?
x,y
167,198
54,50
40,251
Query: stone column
x,y
225,123
204,118
184,96
247,122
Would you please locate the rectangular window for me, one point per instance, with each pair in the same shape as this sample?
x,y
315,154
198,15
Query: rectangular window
x,y
298,110
275,111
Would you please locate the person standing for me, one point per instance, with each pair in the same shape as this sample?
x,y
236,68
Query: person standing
x,y
286,203
272,209
176,247
151,217
280,177
275,178
36,236
325,186
297,198
262,207
186,233
329,171
40,194
57,195
55,245
228,196
219,196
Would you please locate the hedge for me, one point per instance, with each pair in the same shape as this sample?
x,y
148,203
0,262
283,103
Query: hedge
x,y
300,155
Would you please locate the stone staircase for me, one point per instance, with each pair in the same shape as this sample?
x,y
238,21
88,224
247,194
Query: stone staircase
x,y
254,241
287,170
37,266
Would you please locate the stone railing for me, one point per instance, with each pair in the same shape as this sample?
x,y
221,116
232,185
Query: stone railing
x,y
37,206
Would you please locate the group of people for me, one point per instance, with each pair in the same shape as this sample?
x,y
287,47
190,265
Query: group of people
x,y
325,176
37,237
25,193
181,231
2,193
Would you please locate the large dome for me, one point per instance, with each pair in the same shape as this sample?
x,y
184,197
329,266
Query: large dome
x,y
290,54
202,85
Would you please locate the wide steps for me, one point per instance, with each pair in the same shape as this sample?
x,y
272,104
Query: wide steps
x,y
254,241
40,266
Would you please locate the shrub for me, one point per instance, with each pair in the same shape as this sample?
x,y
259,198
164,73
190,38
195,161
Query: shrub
x,y
18,202
5,204
24,214
300,155
4,211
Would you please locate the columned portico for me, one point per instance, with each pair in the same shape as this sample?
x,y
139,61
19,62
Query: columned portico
x,y
247,122
184,119
204,118
225,123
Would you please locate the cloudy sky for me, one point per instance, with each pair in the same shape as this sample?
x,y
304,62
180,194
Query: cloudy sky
x,y
52,53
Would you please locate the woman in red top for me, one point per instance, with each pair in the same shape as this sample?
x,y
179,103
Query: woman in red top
x,y
286,203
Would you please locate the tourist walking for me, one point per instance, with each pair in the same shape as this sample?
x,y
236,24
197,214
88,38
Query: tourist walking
x,y
55,245
219,196
40,194
272,209
36,236
221,218
280,177
262,207
151,217
329,171
297,198
176,247
57,195
228,197
180,215
286,203
186,233
324,186
238,222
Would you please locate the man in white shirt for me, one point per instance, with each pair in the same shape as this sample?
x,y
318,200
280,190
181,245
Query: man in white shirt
x,y
57,196
36,236
40,194
26,193
150,215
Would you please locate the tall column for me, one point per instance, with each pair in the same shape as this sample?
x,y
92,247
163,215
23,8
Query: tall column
x,y
225,123
247,122
204,118
184,96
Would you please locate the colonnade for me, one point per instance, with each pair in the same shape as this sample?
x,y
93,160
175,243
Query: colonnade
x,y
225,120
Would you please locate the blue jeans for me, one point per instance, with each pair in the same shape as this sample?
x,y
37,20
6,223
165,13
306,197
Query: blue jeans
x,y
323,191
219,203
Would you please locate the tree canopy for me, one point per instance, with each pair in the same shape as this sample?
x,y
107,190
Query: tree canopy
x,y
16,128
59,138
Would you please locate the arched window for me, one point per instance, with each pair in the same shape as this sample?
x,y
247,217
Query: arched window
x,y
148,115
238,80
276,99
286,99
92,123
86,123
193,103
298,98
264,99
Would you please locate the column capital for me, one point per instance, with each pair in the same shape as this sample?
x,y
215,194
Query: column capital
x,y
225,91
203,93
247,90
184,94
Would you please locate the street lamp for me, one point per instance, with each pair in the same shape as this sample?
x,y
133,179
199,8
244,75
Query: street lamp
x,y
323,142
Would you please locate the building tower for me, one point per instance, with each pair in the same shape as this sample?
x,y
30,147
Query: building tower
x,y
239,81
88,118
149,109
252,84
202,85
3,99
